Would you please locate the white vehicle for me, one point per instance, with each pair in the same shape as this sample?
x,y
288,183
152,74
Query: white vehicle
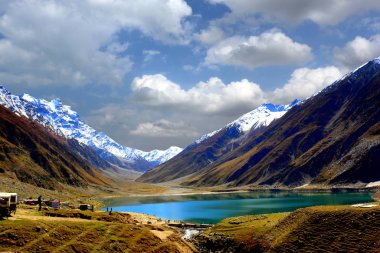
x,y
8,203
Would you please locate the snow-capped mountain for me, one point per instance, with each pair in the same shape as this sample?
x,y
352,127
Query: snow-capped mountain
x,y
260,117
65,122
161,156
212,146
330,139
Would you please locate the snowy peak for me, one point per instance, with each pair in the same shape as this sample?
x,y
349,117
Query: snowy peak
x,y
262,116
162,156
64,121
213,146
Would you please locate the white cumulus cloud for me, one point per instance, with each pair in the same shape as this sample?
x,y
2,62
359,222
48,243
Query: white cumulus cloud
x,y
212,96
305,82
164,128
358,51
269,48
210,35
75,42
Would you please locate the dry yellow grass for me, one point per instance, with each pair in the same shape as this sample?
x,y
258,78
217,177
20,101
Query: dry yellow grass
x,y
97,232
313,229
328,229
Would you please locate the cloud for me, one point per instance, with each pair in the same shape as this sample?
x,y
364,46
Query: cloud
x,y
161,113
117,47
323,12
269,48
372,23
111,114
188,67
150,54
164,128
305,82
358,51
76,42
211,35
211,97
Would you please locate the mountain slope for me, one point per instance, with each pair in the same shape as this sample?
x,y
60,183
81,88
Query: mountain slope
x,y
34,155
62,120
212,146
331,138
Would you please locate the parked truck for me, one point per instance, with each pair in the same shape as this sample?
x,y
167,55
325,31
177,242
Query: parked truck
x,y
8,203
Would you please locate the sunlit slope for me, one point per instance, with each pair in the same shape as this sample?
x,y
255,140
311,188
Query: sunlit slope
x,y
331,138
31,154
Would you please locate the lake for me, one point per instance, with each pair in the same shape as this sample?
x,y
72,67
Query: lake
x,y
211,208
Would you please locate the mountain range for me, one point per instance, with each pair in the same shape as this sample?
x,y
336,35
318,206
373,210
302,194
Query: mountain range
x,y
63,121
329,139
210,147
332,138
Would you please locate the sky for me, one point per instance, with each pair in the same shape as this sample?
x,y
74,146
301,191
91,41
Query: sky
x,y
158,73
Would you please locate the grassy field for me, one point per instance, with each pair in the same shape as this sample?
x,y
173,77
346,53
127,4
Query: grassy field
x,y
313,229
328,229
31,231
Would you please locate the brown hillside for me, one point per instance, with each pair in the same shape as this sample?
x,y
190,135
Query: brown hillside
x,y
76,231
195,157
332,138
313,229
36,156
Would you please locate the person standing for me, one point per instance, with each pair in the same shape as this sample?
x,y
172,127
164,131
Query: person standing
x,y
39,201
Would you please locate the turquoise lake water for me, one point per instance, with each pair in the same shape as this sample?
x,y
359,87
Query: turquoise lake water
x,y
211,208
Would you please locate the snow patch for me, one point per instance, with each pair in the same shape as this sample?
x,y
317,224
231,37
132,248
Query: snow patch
x,y
373,184
302,186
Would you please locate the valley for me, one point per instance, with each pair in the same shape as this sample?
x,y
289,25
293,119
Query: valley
x,y
295,167
178,126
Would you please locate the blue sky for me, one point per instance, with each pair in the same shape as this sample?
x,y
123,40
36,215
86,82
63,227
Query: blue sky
x,y
157,73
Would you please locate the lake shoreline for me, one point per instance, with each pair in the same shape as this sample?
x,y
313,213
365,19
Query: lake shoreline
x,y
175,192
198,208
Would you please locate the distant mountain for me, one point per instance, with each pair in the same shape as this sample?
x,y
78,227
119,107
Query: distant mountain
x,y
210,147
62,120
36,156
332,138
